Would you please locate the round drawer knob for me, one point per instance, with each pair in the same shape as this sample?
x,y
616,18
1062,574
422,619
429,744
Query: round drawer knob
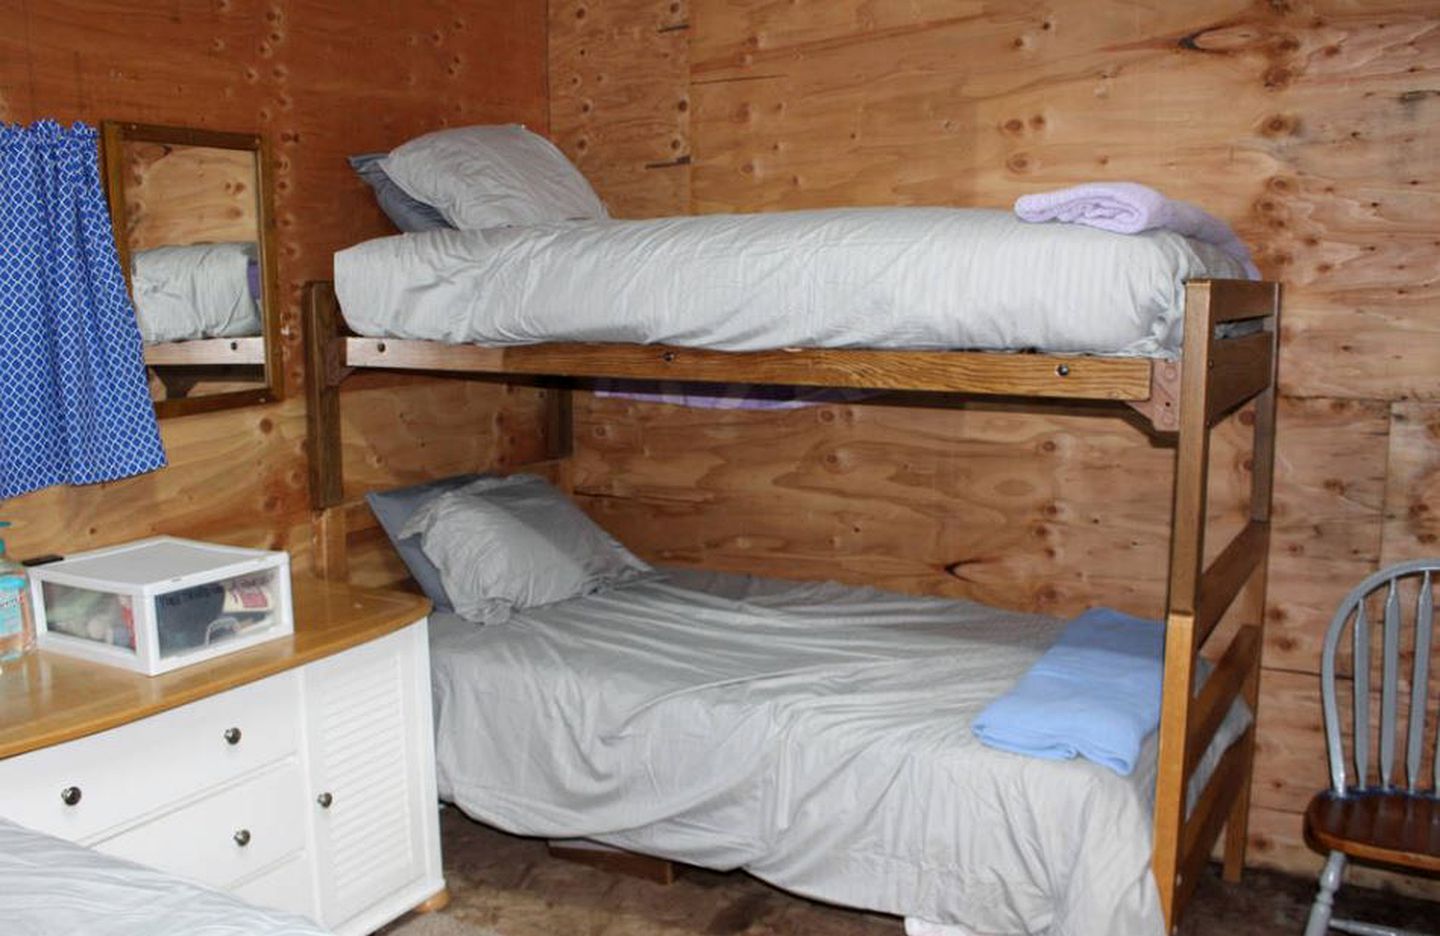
x,y
232,735
70,795
324,799
242,838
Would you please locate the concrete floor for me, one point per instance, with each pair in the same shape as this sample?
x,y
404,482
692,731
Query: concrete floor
x,y
515,887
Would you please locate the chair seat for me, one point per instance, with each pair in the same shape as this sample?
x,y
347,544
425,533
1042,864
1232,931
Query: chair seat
x,y
1386,826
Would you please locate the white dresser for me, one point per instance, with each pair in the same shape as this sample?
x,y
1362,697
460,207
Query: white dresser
x,y
298,774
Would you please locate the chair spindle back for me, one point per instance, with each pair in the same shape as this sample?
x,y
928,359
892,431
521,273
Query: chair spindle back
x,y
1353,611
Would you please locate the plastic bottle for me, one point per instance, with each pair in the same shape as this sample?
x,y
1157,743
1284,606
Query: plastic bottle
x,y
8,566
17,625
17,620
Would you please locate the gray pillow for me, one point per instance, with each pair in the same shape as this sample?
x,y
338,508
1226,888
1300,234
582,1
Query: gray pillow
x,y
393,509
408,214
516,542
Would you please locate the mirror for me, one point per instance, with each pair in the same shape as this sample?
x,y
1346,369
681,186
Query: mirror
x,y
193,218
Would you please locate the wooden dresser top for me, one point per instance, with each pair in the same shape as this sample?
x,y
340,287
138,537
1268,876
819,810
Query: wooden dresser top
x,y
47,698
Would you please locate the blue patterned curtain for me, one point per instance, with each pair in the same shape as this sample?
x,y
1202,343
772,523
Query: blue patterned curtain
x,y
74,405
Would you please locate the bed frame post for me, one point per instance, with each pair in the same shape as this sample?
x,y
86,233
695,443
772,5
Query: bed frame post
x,y
1218,375
560,435
1262,474
324,371
1187,548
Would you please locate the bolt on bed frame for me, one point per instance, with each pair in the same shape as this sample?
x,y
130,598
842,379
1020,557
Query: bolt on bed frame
x,y
1222,367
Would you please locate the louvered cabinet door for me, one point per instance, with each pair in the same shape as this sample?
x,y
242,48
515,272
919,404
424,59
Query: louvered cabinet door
x,y
372,779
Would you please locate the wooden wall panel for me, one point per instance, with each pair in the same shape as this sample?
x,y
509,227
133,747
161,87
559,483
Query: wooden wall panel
x,y
989,502
320,81
618,103
188,195
1412,494
1310,126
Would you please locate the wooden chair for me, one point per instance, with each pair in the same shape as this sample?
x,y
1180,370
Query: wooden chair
x,y
1375,814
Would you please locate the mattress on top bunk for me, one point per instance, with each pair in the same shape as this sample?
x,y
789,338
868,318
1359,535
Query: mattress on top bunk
x,y
896,278
52,886
815,734
184,292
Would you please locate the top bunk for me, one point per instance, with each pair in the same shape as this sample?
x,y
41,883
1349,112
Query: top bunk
x,y
939,300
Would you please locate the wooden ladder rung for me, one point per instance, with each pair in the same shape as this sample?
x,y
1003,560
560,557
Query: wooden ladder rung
x,y
1220,692
1240,368
1224,578
1236,300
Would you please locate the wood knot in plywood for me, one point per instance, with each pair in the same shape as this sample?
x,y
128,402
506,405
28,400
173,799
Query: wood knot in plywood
x,y
956,570
1230,39
1277,78
1280,125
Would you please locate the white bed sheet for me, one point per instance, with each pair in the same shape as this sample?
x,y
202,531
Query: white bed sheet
x,y
815,734
190,291
854,278
50,887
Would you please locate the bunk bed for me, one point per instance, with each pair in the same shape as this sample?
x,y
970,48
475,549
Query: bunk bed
x,y
1227,360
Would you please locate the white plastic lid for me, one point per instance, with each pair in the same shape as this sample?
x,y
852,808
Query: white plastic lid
x,y
154,561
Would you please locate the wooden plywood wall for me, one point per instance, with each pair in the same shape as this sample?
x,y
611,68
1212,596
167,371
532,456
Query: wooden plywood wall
x,y
188,195
1314,128
320,81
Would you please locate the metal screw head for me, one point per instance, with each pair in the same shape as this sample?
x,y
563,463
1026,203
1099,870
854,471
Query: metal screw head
x,y
1062,370
242,837
325,799
232,735
70,795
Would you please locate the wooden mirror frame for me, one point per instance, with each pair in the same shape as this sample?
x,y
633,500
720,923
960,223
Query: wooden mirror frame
x,y
264,350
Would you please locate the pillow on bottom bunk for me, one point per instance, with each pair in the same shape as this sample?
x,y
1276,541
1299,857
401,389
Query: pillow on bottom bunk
x,y
516,542
394,508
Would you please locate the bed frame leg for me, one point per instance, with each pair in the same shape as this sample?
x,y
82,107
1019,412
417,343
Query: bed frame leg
x,y
329,530
1262,476
559,423
324,371
617,861
1205,396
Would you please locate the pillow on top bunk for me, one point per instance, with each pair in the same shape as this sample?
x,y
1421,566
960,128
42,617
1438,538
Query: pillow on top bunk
x,y
516,542
493,176
406,213
394,508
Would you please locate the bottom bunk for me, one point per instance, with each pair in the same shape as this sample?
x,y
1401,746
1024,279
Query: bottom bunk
x,y
815,734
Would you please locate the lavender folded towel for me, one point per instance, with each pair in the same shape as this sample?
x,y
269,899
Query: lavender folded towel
x,y
1129,208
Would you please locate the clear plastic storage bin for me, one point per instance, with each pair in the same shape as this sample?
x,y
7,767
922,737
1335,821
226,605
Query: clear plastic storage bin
x,y
158,604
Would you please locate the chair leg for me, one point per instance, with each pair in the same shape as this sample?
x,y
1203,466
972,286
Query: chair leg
x,y
1319,922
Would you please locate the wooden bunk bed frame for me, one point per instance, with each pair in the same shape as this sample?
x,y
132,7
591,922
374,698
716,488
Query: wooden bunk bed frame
x,y
1219,370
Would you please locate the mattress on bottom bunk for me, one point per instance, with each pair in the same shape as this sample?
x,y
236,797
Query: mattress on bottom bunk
x,y
907,278
52,886
814,734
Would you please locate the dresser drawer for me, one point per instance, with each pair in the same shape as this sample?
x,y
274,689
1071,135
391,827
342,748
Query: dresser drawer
x,y
288,886
227,836
121,775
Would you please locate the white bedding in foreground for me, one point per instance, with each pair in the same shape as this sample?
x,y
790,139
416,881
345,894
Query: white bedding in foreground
x,y
49,887
815,734
842,278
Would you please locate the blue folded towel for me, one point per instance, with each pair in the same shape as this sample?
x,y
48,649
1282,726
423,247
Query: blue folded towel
x,y
1095,693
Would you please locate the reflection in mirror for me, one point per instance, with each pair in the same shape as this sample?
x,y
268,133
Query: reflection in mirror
x,y
191,210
